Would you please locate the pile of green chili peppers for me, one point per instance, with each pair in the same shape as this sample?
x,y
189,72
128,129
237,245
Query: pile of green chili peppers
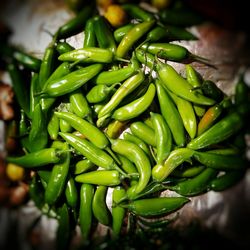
x,y
114,114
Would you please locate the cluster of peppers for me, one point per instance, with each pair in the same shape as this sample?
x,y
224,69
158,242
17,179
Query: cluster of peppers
x,y
115,114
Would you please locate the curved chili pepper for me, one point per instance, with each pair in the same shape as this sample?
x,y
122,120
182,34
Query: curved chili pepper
x,y
71,193
175,158
187,114
118,213
90,151
100,177
36,159
88,55
226,180
188,172
18,84
196,185
76,24
100,93
132,37
103,34
210,90
95,135
69,83
136,155
36,192
163,137
127,165
65,127
38,136
115,128
171,115
135,11
127,87
99,206
53,127
173,52
209,118
145,57
120,32
58,176
89,34
220,161
182,88
155,206
83,166
111,77
137,107
219,132
144,132
80,105
241,91
169,33
85,212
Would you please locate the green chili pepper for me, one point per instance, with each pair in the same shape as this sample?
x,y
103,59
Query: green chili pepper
x,y
144,132
53,127
187,114
220,161
209,118
196,185
76,5
111,77
187,172
71,82
132,37
33,90
38,136
136,155
219,132
169,33
227,180
99,206
85,213
120,32
135,11
76,24
163,137
44,175
95,135
83,166
103,34
172,52
23,58
146,58
100,93
180,17
71,193
63,47
195,79
241,91
18,84
136,107
65,127
58,176
127,165
100,177
90,151
23,124
118,213
210,90
36,192
89,34
171,115
139,142
115,128
182,88
36,159
88,55
225,151
155,206
80,105
176,157
127,87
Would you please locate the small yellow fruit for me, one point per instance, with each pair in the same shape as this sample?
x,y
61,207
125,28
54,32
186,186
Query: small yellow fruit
x,y
116,15
14,172
160,4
